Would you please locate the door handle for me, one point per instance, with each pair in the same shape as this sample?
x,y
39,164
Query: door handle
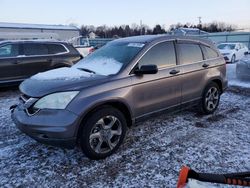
x,y
16,62
174,72
205,65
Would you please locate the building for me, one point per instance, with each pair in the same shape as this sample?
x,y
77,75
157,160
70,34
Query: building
x,y
18,31
242,37
188,31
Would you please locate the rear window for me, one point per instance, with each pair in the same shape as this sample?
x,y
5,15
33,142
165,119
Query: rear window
x,y
9,50
35,49
56,48
209,53
189,53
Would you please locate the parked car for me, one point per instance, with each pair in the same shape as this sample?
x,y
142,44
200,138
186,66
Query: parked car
x,y
85,50
82,45
232,51
243,68
125,81
22,59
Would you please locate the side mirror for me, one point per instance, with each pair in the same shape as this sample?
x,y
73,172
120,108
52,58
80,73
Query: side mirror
x,y
146,69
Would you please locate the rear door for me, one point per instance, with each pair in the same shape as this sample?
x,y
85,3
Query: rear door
x,y
9,69
156,92
35,59
193,70
195,62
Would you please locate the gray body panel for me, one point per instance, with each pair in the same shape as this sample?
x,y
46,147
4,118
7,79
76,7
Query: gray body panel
x,y
142,95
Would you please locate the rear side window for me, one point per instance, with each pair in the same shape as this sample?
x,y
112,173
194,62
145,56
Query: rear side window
x,y
9,50
56,48
162,55
209,53
35,49
189,53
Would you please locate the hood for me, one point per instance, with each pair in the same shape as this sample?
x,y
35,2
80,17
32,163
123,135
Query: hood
x,y
58,80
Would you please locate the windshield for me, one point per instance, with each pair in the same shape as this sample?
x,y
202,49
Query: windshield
x,y
226,46
110,58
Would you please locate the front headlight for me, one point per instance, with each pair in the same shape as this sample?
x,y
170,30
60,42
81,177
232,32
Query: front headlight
x,y
56,100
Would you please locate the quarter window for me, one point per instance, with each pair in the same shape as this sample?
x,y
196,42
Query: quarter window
x,y
162,55
56,48
209,53
189,53
9,50
35,49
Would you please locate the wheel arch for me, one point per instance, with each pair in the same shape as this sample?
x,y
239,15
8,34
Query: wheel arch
x,y
118,104
216,80
60,64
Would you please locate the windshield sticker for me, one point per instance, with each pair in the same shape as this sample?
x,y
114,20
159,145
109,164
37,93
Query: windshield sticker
x,y
136,45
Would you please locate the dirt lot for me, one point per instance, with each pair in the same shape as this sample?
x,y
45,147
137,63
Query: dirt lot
x,y
152,154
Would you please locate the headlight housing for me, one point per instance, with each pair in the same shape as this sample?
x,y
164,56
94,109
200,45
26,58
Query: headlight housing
x,y
56,100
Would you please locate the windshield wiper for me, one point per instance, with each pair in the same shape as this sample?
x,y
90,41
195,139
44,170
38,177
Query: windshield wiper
x,y
87,70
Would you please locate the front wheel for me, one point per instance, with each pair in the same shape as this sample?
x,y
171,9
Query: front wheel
x,y
210,98
102,133
233,59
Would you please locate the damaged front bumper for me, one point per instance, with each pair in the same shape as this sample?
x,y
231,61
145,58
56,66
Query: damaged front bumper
x,y
53,127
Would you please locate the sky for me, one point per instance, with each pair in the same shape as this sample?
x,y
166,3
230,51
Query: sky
x,y
115,12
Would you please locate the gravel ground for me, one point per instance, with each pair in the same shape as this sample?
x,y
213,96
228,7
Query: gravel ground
x,y
151,156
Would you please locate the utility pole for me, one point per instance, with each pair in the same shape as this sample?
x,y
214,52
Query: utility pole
x,y
199,27
140,27
199,20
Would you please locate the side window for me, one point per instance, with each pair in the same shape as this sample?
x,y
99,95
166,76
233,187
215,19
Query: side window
x,y
9,50
209,53
189,53
162,55
56,48
30,49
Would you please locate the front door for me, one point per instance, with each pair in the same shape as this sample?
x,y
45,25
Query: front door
x,y
160,91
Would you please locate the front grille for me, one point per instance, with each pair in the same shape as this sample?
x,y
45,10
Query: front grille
x,y
28,103
24,98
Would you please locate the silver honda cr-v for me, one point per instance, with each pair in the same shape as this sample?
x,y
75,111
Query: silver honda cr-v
x,y
92,103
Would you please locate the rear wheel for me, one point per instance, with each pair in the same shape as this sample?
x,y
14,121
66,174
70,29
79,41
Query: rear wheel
x,y
103,133
210,98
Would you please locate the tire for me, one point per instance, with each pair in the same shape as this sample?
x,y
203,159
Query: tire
x,y
233,59
210,98
103,132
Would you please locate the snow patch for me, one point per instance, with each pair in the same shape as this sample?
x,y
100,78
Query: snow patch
x,y
64,73
101,65
151,156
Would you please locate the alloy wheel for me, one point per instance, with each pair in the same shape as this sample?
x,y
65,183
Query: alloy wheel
x,y
212,98
105,134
